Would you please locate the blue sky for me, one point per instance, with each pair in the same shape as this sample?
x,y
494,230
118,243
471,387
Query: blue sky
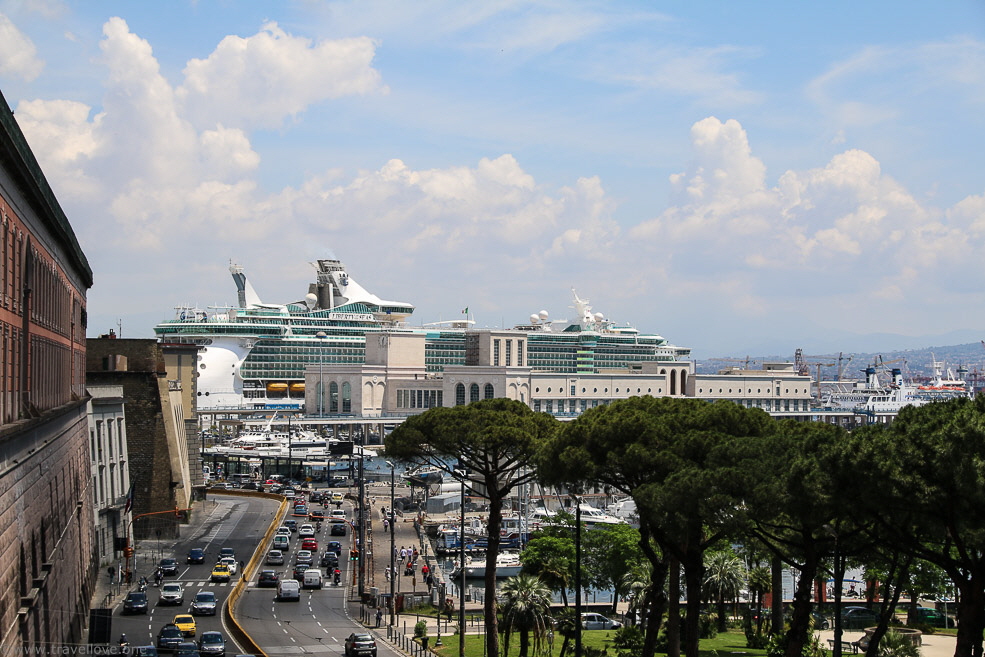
x,y
731,175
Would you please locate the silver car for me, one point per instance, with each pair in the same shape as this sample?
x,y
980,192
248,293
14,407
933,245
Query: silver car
x,y
204,604
275,558
172,594
598,622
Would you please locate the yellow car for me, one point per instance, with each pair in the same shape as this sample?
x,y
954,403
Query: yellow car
x,y
186,623
220,573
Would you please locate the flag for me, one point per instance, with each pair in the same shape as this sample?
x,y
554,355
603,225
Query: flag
x,y
129,504
466,311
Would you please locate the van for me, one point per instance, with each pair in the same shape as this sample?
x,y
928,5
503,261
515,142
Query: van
x,y
288,589
282,543
312,578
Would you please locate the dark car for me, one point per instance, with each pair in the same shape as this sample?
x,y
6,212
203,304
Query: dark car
x,y
135,603
204,604
820,622
250,485
360,643
857,618
196,555
212,643
329,560
334,546
931,617
187,649
169,638
143,651
168,566
299,571
291,524
337,529
227,552
268,578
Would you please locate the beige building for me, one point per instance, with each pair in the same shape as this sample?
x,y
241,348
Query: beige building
x,y
394,383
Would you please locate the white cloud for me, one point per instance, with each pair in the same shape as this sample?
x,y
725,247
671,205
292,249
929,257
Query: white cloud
x,y
18,55
260,80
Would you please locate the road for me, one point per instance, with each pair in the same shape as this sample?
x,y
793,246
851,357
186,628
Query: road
x,y
316,624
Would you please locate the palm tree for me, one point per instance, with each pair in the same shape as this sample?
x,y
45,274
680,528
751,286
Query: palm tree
x,y
760,583
723,579
566,625
637,582
525,605
556,574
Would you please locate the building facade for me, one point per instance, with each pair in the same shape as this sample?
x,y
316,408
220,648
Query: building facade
x,y
157,380
394,382
110,472
45,487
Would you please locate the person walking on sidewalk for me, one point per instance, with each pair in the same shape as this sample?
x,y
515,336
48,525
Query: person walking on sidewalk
x,y
379,617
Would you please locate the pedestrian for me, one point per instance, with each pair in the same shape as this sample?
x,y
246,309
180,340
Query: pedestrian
x,y
387,573
386,526
425,570
403,553
379,617
242,568
414,555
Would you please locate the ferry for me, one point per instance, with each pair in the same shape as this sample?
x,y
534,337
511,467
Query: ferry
x,y
253,355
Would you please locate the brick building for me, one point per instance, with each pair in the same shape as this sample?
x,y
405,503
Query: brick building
x,y
46,559
162,442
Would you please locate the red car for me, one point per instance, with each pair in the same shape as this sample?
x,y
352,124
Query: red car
x,y
309,544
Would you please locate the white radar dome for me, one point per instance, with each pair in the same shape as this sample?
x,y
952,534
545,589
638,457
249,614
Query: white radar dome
x,y
310,299
543,314
534,318
599,317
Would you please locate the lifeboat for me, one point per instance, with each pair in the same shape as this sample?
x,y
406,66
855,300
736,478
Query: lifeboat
x,y
276,387
297,387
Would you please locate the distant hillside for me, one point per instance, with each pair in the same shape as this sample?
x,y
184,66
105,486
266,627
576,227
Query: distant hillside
x,y
915,363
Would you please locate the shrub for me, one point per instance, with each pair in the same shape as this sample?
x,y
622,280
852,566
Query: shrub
x,y
420,629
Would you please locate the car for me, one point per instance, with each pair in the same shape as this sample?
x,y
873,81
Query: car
x,y
187,649
291,524
204,604
220,573
283,530
316,516
820,622
288,493
168,566
931,617
195,555
212,643
169,637
299,571
275,558
306,531
312,579
598,622
227,552
337,529
857,618
360,643
309,544
305,557
281,543
315,496
135,603
337,496
300,510
337,515
143,651
334,546
172,593
231,564
268,578
289,589
186,623
250,485
329,560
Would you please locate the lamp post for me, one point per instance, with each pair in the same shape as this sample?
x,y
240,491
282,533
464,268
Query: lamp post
x,y
578,652
461,573
361,564
393,555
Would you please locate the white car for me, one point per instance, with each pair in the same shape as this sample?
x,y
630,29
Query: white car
x,y
305,557
306,531
172,594
337,515
598,622
231,563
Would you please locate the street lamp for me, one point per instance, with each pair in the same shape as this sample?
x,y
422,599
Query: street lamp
x,y
393,555
578,652
461,571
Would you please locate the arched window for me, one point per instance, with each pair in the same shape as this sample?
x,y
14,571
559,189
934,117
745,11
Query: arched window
x,y
683,381
489,393
474,392
346,397
460,394
333,397
673,382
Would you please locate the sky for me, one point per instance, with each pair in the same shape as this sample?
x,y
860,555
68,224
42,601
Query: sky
x,y
735,176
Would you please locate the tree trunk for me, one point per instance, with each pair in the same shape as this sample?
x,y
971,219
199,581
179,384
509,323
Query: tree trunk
x,y
493,528
971,614
655,600
722,627
694,570
776,571
800,619
524,643
674,609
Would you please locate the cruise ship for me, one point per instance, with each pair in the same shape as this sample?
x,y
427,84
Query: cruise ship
x,y
254,354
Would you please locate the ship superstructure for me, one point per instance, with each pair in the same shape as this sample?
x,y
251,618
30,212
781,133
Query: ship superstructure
x,y
255,354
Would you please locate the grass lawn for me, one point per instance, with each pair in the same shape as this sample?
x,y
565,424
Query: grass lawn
x,y
722,645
